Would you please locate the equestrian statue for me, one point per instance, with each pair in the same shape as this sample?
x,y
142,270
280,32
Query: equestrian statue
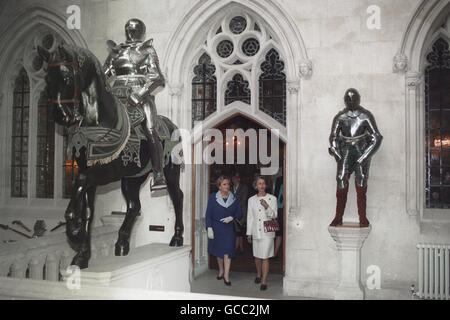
x,y
114,132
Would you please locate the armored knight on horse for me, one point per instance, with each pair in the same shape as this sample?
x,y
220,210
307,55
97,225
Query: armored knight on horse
x,y
110,135
134,65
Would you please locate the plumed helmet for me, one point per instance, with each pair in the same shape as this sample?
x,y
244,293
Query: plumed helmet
x,y
352,98
135,30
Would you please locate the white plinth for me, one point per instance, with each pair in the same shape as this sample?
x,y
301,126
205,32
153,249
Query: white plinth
x,y
349,241
116,220
152,267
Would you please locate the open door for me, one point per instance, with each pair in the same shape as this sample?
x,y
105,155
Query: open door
x,y
200,201
204,177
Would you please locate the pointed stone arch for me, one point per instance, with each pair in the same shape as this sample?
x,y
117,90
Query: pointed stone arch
x,y
16,52
186,45
424,27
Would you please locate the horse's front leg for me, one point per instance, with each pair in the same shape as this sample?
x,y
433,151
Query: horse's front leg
x,y
83,255
172,173
74,214
130,190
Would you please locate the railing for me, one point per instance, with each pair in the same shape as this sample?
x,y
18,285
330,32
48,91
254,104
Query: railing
x,y
43,258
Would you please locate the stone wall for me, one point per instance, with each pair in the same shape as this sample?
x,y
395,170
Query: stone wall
x,y
344,53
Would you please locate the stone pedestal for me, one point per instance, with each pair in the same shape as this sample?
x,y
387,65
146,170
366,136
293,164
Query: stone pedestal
x,y
152,267
116,220
349,241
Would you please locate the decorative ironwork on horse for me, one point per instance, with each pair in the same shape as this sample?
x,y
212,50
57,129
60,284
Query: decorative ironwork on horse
x,y
105,136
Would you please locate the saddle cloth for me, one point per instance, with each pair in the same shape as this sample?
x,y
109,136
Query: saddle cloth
x,y
104,145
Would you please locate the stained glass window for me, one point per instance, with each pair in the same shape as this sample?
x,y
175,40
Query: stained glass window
x,y
225,48
237,90
204,88
238,25
250,47
19,143
45,164
70,168
437,126
272,87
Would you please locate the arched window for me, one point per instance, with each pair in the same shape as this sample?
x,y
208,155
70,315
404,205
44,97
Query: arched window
x,y
19,139
242,58
272,87
437,126
204,88
36,148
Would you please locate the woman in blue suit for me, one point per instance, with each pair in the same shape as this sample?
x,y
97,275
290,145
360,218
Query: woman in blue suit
x,y
223,207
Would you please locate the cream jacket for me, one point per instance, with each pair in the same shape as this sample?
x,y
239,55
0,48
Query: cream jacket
x,y
256,215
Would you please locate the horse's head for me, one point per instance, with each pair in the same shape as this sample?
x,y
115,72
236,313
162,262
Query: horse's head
x,y
65,82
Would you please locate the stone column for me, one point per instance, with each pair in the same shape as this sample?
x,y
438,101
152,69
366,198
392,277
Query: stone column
x,y
414,119
349,241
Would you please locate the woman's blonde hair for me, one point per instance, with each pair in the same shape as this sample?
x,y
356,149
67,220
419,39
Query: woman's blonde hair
x,y
220,180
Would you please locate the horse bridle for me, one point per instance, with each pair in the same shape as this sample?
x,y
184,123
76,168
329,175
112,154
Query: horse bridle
x,y
76,70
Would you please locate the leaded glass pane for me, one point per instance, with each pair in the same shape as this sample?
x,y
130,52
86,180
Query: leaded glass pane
x,y
272,87
204,87
225,48
37,63
437,121
237,90
250,47
45,162
238,25
70,168
48,41
19,138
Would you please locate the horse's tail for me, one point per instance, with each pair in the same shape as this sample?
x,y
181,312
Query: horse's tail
x,y
170,125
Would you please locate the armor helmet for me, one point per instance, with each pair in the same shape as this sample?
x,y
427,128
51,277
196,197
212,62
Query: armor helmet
x,y
352,98
135,30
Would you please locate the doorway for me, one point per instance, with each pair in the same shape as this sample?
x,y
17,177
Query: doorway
x,y
244,261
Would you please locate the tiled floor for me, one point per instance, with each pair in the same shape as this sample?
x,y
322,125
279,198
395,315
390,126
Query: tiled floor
x,y
242,285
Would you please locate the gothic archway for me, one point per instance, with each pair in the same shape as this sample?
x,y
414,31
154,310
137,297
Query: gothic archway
x,y
428,23
203,21
33,26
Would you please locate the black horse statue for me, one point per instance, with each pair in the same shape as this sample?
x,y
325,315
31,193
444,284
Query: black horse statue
x,y
104,137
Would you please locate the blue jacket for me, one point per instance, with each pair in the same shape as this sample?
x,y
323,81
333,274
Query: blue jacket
x,y
224,237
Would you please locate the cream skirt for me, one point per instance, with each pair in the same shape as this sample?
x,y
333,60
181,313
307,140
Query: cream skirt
x,y
263,248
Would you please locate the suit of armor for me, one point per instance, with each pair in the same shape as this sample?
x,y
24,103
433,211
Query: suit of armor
x,y
135,66
354,140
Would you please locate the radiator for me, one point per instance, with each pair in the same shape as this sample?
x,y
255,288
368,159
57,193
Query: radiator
x,y
434,271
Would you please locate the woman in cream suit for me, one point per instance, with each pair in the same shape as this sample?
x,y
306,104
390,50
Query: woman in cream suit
x,y
261,207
